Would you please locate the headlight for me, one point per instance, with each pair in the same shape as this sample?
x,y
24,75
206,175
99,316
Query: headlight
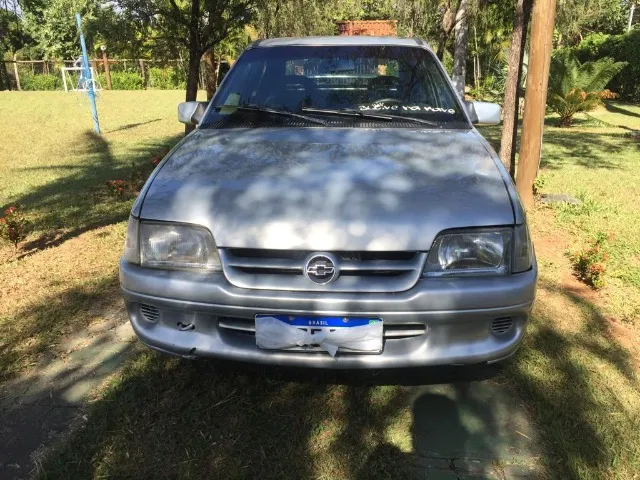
x,y
483,252
168,245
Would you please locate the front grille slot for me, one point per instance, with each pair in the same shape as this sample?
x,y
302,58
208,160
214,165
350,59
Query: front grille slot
x,y
243,325
381,271
404,330
149,312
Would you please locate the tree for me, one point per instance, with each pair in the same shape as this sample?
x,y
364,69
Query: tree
x,y
512,86
204,24
197,25
53,27
460,47
577,18
226,51
574,87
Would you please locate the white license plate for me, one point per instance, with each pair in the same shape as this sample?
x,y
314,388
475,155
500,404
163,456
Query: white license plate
x,y
294,332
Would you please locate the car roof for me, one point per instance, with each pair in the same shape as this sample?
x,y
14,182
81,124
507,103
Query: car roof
x,y
340,40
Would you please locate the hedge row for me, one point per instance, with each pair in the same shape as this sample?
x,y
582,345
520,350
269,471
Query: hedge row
x,y
622,48
168,78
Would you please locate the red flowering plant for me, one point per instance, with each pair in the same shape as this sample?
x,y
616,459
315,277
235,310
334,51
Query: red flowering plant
x,y
118,187
137,178
158,158
590,263
13,226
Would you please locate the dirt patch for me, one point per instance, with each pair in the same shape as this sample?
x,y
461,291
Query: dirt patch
x,y
552,244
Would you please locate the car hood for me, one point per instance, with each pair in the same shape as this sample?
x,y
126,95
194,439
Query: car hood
x,y
330,189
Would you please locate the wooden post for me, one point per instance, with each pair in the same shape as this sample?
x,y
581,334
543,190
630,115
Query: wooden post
x,y
544,12
143,71
107,69
15,72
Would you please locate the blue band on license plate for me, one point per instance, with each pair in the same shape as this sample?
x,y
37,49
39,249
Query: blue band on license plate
x,y
312,321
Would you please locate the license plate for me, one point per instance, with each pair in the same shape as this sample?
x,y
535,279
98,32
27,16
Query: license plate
x,y
330,333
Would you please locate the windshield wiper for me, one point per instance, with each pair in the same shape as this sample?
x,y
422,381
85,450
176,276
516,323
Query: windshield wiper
x,y
272,111
378,116
347,112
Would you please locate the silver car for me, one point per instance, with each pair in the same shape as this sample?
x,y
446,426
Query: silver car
x,y
335,207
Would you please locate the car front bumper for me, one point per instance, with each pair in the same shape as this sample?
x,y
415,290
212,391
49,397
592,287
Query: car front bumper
x,y
438,322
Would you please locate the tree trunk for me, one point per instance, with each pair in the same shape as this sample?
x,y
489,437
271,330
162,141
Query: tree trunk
x,y
192,76
448,22
460,48
4,77
193,72
512,90
212,74
631,12
442,43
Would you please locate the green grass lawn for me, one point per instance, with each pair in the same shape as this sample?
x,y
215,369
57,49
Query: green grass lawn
x,y
159,417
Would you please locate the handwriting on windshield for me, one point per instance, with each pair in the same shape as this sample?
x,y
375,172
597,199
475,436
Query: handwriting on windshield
x,y
406,108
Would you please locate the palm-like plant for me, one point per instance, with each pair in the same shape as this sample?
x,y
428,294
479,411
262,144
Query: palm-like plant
x,y
575,87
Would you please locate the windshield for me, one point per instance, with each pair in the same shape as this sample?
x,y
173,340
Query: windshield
x,y
342,85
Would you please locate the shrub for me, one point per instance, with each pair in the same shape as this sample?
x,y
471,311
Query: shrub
x,y
137,178
575,87
590,262
607,94
622,48
118,188
123,81
30,81
168,78
539,183
13,226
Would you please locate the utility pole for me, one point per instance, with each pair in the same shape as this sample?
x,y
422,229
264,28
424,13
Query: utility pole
x,y
544,12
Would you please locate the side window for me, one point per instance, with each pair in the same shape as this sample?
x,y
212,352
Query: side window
x,y
295,67
245,81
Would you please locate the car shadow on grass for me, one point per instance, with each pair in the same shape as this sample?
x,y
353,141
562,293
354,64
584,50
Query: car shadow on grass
x,y
166,418
162,417
78,201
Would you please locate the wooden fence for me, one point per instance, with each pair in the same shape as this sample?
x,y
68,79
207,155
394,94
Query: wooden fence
x,y
13,69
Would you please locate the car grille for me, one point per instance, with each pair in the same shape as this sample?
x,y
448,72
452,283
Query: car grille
x,y
358,271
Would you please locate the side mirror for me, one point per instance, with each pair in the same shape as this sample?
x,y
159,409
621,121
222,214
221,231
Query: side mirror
x,y
484,113
190,113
